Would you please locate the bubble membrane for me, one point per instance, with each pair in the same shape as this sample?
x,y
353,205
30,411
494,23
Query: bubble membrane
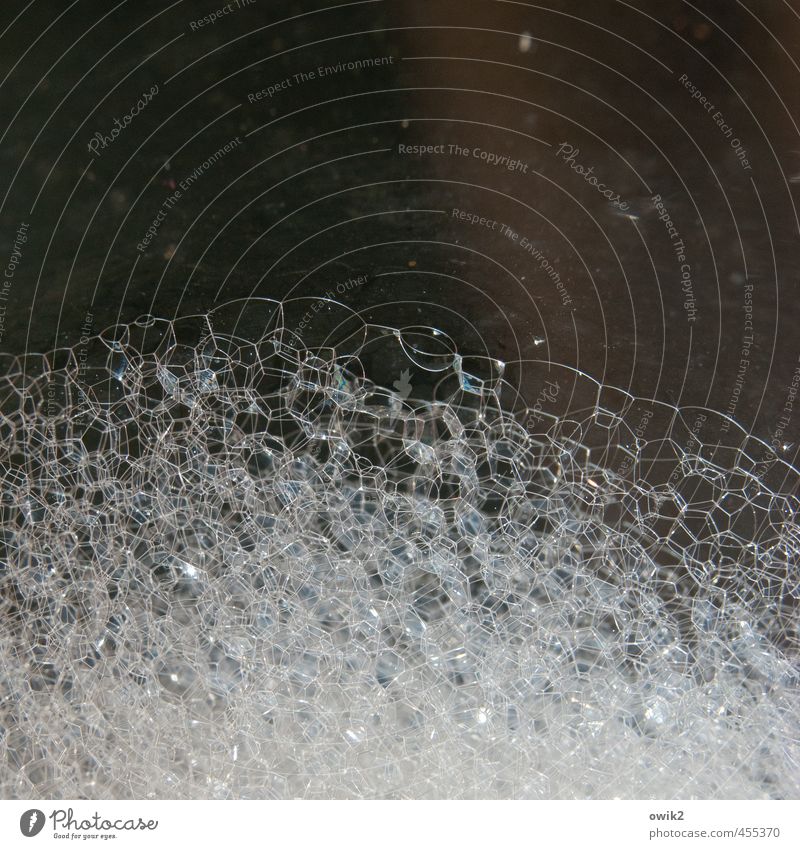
x,y
235,564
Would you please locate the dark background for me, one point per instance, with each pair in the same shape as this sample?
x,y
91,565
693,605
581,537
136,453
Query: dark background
x,y
317,192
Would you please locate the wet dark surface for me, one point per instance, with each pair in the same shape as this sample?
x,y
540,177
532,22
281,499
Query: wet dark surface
x,y
317,193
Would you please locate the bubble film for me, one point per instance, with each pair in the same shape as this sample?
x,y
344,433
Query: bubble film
x,y
233,565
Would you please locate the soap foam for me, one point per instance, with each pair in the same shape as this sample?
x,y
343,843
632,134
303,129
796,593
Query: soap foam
x,y
234,567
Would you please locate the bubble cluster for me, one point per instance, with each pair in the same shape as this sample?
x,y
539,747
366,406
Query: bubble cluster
x,y
233,566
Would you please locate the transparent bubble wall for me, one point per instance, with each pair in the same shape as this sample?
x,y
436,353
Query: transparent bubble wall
x,y
235,565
